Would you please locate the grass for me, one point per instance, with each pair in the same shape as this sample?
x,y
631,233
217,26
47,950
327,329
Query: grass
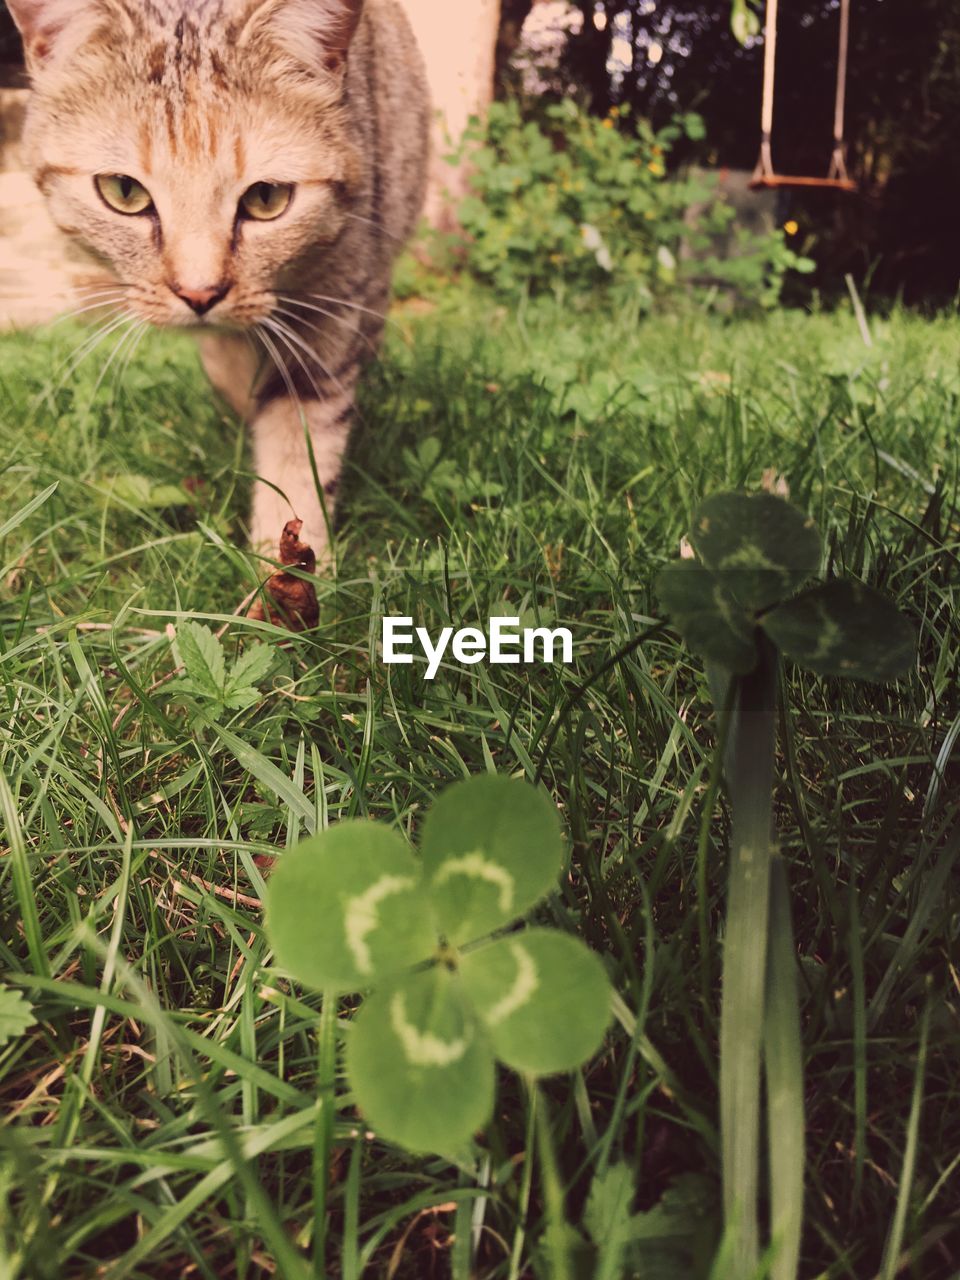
x,y
161,1112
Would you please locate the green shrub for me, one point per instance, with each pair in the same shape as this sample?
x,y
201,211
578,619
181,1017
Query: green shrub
x,y
576,201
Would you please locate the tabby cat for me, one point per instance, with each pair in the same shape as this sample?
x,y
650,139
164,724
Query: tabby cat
x,y
248,169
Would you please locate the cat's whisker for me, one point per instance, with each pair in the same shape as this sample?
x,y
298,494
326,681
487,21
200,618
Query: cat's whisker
x,y
330,315
136,337
292,315
337,302
282,369
99,282
117,348
377,226
93,295
139,333
106,301
80,353
86,294
278,326
281,333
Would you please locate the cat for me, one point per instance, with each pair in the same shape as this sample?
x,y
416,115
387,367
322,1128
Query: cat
x,y
248,169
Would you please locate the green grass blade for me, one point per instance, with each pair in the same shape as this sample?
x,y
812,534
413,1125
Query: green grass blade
x,y
350,1261
783,1063
323,1145
26,512
891,1253
270,776
23,881
859,999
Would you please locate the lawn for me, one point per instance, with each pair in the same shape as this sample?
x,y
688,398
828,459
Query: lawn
x,y
541,461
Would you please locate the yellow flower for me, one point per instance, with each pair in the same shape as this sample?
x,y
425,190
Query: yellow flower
x,y
656,168
608,123
791,227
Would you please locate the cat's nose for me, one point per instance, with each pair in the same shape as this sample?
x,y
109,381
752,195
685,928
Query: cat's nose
x,y
201,300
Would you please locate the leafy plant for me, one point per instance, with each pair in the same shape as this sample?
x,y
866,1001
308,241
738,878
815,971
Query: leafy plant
x,y
448,1000
585,202
744,21
751,266
207,686
674,1240
441,480
740,606
16,1015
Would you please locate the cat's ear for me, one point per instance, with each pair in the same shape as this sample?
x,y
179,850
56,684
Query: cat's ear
x,y
56,27
312,31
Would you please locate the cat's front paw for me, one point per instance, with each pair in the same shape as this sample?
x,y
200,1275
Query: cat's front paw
x,y
272,514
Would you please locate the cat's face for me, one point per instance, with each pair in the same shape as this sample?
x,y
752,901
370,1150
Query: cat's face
x,y
196,147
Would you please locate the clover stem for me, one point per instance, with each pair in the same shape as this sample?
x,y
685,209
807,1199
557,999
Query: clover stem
x,y
323,1137
526,1185
750,770
722,691
558,1252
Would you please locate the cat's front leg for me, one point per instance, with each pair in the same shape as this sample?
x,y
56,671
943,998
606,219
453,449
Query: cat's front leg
x,y
286,487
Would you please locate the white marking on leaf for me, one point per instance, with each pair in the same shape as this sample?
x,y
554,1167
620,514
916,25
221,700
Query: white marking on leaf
x,y
480,868
361,916
524,985
423,1048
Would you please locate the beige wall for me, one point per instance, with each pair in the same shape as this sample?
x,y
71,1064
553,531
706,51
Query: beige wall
x,y
458,39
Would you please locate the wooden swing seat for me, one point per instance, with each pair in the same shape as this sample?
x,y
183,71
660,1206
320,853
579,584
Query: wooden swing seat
x,y
780,181
765,177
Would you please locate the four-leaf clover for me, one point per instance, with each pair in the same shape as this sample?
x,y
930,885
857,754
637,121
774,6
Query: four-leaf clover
x,y
353,908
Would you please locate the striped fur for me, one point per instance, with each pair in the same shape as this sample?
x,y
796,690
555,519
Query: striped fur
x,y
198,100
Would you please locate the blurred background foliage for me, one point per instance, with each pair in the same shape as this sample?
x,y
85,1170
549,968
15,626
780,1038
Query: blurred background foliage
x,y
664,57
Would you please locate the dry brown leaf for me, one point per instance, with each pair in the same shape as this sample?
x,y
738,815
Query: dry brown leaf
x,y
294,598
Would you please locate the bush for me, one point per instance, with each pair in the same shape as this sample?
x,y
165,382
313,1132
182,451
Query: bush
x,y
583,202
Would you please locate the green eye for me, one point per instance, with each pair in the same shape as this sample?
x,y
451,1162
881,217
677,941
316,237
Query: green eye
x,y
122,193
265,201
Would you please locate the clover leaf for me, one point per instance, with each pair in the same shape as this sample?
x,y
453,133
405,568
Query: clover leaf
x,y
353,908
742,603
756,552
420,1063
345,908
544,998
844,628
760,547
491,849
711,622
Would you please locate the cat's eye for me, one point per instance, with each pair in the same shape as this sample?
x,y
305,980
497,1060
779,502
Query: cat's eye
x,y
123,193
265,201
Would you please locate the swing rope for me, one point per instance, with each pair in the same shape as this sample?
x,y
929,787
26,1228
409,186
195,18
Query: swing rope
x,y
765,175
838,163
765,166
